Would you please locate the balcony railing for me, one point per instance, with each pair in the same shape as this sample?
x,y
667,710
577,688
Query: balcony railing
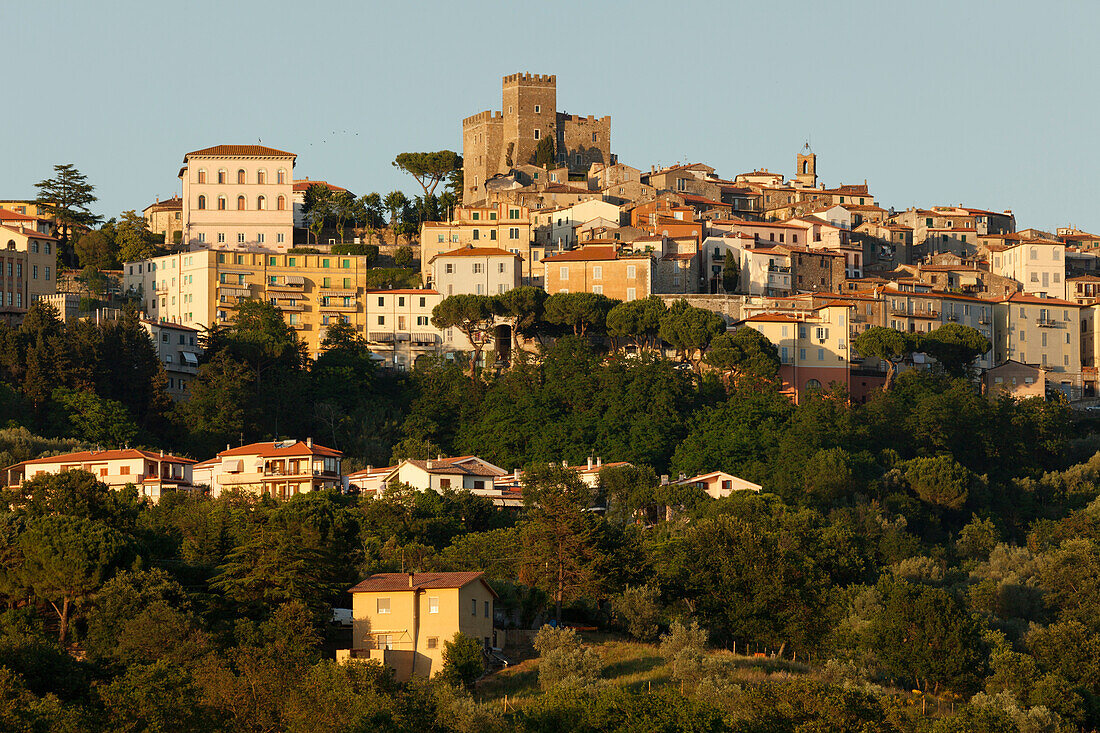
x,y
340,307
914,314
1048,323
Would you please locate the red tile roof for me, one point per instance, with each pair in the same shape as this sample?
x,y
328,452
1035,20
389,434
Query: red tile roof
x,y
405,291
31,233
304,184
167,205
90,456
585,254
6,215
269,450
397,582
1036,300
476,252
251,151
772,318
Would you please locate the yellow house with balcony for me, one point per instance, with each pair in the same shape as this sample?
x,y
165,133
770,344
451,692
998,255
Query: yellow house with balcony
x,y
404,619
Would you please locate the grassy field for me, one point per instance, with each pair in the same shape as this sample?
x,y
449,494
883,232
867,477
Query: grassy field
x,y
636,666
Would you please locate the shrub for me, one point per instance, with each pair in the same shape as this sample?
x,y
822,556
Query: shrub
x,y
639,611
563,660
463,661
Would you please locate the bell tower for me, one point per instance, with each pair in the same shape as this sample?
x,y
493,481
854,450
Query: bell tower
x,y
806,170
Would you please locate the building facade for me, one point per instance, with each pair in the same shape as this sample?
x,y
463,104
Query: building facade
x,y
152,473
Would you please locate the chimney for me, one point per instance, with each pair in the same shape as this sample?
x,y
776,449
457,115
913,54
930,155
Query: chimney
x,y
590,463
683,476
664,479
309,442
410,579
429,464
565,464
599,461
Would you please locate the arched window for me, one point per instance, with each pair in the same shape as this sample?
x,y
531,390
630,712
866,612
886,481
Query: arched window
x,y
11,244
261,203
240,176
202,175
221,203
813,384
261,176
221,175
202,202
281,203
280,177
805,166
240,203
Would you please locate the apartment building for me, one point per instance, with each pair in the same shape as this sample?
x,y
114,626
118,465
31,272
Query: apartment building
x,y
1037,264
495,225
152,473
1041,331
557,228
205,287
603,269
280,469
28,261
238,196
179,351
403,620
17,219
814,346
468,473
475,271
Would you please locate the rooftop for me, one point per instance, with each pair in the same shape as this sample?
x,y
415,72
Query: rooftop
x,y
393,582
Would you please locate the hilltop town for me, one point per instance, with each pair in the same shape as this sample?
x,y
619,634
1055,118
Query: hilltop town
x,y
761,433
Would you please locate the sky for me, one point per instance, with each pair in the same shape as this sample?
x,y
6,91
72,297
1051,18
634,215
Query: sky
x,y
987,104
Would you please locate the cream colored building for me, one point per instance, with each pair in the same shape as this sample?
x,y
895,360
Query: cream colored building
x,y
1044,332
403,620
238,196
166,219
468,473
152,473
506,226
202,288
1038,264
280,469
28,263
475,271
179,351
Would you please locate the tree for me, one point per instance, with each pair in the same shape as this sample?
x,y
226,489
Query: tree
x,y
522,308
67,558
563,658
403,257
731,273
690,330
341,208
638,321
745,352
97,249
370,206
316,208
638,608
66,198
429,168
395,202
559,535
887,344
939,480
473,315
463,660
544,155
955,347
578,311
134,240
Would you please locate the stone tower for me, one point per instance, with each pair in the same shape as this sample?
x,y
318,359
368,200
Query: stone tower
x,y
806,170
530,114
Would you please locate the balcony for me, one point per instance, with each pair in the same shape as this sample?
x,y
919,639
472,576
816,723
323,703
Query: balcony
x,y
914,314
1047,323
296,285
952,317
299,326
983,320
340,308
777,268
290,305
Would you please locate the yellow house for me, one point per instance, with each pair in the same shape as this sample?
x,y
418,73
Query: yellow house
x,y
404,619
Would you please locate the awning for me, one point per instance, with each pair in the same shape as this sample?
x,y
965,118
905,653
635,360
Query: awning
x,y
189,357
235,290
295,280
377,337
339,293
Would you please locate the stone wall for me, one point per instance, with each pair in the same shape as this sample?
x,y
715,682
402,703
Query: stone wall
x,y
576,143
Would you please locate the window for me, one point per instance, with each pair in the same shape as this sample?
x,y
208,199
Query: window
x,y
221,237
631,293
385,641
563,272
486,609
280,177
595,137
383,605
240,237
260,238
450,268
631,271
536,133
240,203
281,236
221,203
473,606
513,233
433,642
202,175
202,202
261,203
492,234
538,108
477,235
221,175
202,237
281,203
597,272
597,289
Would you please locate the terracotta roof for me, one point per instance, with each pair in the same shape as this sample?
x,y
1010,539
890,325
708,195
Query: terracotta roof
x,y
1083,278
773,318
562,188
304,184
585,254
397,582
476,252
167,205
92,456
251,151
463,465
679,256
1036,300
269,450
405,291
6,215
31,233
169,324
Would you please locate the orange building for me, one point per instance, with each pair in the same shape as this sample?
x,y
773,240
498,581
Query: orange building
x,y
601,269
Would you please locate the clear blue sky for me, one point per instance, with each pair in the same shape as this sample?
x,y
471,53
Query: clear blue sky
x,y
988,104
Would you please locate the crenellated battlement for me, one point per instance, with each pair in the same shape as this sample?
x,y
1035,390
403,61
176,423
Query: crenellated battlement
x,y
530,79
566,117
482,117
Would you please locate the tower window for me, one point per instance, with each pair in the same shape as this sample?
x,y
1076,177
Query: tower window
x,y
536,134
538,109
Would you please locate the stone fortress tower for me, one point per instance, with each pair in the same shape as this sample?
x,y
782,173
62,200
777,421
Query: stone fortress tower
x,y
806,170
496,142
